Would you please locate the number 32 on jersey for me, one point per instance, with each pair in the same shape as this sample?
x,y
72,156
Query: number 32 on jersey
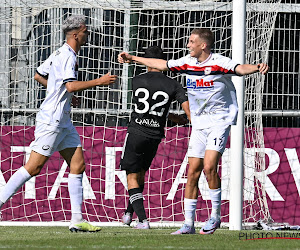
x,y
156,109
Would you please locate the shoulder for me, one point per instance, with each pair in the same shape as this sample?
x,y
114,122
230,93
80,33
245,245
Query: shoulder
x,y
65,52
226,64
172,81
181,64
142,75
220,58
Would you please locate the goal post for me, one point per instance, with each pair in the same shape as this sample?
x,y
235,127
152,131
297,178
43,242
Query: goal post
x,y
237,131
30,31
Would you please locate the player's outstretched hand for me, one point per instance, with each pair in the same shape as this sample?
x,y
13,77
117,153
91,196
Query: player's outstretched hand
x,y
263,68
124,57
107,79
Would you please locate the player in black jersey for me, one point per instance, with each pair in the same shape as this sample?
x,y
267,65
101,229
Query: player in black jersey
x,y
153,93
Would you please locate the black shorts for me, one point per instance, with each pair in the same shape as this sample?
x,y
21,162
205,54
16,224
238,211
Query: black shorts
x,y
138,153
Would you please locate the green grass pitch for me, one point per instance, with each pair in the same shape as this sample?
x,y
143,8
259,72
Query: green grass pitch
x,y
128,238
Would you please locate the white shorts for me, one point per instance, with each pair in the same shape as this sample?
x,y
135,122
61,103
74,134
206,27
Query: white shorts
x,y
213,138
49,139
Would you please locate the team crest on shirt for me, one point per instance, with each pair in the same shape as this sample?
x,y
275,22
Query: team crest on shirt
x,y
207,70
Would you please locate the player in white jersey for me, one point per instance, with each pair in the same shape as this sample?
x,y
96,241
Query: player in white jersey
x,y
213,108
54,129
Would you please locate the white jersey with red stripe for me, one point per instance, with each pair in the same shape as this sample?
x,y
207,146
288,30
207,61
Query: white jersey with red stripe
x,y
211,93
60,67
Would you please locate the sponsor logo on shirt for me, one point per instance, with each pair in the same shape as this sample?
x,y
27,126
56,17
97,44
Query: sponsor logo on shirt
x,y
199,84
147,122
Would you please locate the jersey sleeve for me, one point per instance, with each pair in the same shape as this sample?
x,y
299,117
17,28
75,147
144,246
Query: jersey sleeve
x,y
178,66
44,68
227,65
69,66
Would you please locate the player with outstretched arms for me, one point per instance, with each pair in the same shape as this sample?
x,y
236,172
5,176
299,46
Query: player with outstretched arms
x,y
54,129
213,107
153,93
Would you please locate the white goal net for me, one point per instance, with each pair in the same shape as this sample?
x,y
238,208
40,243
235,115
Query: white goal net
x,y
31,30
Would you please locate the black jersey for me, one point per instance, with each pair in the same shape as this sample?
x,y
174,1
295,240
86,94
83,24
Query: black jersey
x,y
153,94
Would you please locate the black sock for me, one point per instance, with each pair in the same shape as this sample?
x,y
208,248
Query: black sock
x,y
137,202
130,207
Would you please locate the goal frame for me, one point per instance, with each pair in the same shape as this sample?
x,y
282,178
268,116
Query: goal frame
x,y
237,139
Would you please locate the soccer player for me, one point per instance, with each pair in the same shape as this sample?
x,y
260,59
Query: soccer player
x,y
54,130
153,93
213,106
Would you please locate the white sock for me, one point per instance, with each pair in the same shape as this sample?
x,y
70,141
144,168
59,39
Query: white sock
x,y
14,183
189,211
215,195
76,196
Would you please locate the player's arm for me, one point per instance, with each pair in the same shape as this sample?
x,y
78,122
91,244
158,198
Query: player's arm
x,y
180,119
42,72
246,69
159,64
75,86
41,79
185,106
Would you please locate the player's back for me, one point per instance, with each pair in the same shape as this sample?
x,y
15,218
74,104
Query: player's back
x,y
153,93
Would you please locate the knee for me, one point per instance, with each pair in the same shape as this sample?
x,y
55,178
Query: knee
x,y
33,171
78,168
210,170
81,167
193,176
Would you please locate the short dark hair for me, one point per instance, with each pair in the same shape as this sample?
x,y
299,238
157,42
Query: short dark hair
x,y
154,52
205,34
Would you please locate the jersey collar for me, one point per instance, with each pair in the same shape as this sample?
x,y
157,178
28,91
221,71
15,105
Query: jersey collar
x,y
206,60
70,48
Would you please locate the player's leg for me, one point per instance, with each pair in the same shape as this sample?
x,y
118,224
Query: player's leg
x,y
136,199
127,217
191,195
216,143
71,150
42,148
32,167
195,153
211,160
141,179
138,154
74,158
150,149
